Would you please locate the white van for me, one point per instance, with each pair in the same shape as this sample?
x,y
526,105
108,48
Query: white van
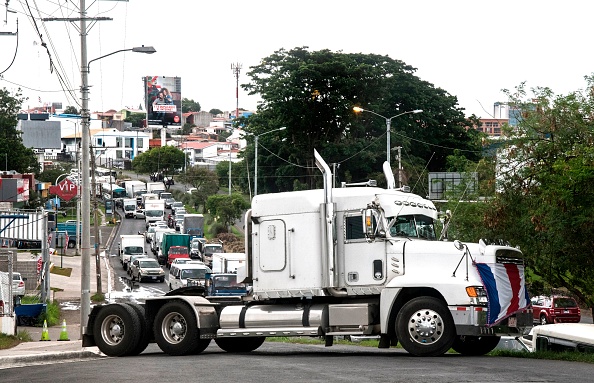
x,y
180,273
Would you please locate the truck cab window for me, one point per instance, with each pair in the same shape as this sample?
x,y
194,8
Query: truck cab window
x,y
412,226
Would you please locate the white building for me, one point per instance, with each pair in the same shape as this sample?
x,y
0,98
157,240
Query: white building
x,y
112,144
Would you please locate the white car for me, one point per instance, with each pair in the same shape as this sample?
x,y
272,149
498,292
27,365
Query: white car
x,y
18,285
139,214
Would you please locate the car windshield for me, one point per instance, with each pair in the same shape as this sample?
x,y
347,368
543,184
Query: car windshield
x,y
194,273
412,226
209,249
564,303
149,264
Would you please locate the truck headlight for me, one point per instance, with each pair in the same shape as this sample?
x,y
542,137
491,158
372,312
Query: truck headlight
x,y
477,294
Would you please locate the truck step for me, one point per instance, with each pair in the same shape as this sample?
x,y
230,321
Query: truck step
x,y
281,331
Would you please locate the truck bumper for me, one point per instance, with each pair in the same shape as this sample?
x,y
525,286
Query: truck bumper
x,y
472,320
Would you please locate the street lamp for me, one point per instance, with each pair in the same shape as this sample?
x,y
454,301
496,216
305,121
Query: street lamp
x,y
256,157
85,276
388,127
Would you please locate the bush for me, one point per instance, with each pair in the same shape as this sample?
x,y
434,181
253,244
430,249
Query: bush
x,y
51,314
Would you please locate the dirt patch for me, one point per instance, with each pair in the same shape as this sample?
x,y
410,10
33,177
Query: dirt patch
x,y
66,271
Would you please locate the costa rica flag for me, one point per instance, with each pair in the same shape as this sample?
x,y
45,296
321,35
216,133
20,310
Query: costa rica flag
x,y
506,290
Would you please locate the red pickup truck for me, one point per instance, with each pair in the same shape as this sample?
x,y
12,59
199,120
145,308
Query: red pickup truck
x,y
177,252
555,309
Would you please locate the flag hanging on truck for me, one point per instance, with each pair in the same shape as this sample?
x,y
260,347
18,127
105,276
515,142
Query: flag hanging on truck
x,y
506,290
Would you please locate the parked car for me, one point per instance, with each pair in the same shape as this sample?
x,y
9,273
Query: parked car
x,y
18,285
139,214
555,309
147,269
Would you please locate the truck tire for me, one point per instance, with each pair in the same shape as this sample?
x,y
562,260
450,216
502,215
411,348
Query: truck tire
x,y
115,331
144,330
425,327
475,345
235,345
176,330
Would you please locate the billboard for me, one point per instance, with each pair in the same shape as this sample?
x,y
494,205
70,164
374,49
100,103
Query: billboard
x,y
163,101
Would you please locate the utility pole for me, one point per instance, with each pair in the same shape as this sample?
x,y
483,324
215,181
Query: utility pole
x,y
236,68
399,166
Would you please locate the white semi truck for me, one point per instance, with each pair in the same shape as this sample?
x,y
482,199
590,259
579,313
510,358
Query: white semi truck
x,y
336,262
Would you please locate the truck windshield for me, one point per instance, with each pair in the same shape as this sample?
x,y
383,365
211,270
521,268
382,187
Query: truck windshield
x,y
412,226
133,250
153,213
227,281
209,249
130,207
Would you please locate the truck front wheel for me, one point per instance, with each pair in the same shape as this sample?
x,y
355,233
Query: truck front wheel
x,y
176,330
425,327
114,330
475,345
235,345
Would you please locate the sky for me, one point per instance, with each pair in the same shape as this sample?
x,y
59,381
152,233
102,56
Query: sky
x,y
471,49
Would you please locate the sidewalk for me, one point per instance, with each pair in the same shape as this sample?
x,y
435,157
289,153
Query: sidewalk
x,y
68,294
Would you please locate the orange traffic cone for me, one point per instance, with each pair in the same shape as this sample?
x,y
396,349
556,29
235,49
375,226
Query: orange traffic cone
x,y
64,332
45,332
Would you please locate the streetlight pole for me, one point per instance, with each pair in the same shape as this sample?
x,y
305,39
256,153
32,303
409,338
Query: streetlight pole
x,y
388,127
85,276
256,157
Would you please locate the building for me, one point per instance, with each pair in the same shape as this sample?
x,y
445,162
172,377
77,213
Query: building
x,y
111,145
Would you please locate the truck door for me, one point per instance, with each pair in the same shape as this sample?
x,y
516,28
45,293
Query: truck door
x,y
364,263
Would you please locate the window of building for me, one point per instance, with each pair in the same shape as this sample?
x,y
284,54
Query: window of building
x,y
128,142
139,143
99,141
119,154
119,142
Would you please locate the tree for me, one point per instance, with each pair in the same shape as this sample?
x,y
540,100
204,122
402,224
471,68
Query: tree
x,y
167,160
187,128
137,119
227,208
312,94
545,202
205,181
17,156
189,105
71,110
215,112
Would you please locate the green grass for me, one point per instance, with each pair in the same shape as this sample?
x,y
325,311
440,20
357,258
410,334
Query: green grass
x,y
9,341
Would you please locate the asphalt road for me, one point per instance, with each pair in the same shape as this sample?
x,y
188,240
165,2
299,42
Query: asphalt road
x,y
279,362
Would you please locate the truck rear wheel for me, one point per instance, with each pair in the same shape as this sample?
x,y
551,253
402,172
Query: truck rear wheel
x,y
176,330
114,330
475,345
71,244
235,345
144,330
425,327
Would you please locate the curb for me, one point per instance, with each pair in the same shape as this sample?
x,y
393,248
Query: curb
x,y
66,356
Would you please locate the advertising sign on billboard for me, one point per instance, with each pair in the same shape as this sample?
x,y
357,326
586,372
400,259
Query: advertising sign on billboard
x,y
163,100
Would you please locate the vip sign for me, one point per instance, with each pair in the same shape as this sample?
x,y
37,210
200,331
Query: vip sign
x,y
65,190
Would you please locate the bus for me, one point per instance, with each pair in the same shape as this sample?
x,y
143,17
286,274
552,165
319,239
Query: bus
x,y
114,190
